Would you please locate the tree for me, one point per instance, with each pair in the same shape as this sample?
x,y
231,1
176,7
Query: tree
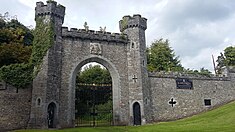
x,y
14,53
229,54
161,57
226,59
94,75
15,42
220,63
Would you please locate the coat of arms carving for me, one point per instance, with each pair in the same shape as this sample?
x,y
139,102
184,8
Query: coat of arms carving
x,y
95,48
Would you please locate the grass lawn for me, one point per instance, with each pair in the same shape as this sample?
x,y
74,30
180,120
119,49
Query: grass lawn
x,y
219,120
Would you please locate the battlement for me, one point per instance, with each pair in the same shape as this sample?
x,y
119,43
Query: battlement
x,y
50,9
187,75
135,21
94,35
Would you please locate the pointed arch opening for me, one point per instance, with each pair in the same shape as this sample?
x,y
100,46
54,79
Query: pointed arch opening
x,y
51,115
136,114
109,92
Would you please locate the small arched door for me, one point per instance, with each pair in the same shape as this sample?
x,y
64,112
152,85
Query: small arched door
x,y
51,115
136,113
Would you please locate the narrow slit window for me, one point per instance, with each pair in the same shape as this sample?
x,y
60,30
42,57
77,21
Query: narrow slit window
x,y
132,45
38,102
54,37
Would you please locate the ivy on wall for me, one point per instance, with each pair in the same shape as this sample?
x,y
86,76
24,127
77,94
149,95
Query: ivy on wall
x,y
43,40
21,75
124,22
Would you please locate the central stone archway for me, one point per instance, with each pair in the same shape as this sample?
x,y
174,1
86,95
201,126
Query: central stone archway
x,y
115,79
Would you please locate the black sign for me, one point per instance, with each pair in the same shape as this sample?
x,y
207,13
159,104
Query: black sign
x,y
184,83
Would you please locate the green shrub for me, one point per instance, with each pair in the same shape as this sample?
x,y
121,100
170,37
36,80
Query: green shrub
x,y
18,75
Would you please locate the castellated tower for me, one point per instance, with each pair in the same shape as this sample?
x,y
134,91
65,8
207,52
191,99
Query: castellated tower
x,y
135,28
47,83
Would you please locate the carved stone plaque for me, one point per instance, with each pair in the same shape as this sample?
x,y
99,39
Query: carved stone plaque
x,y
95,48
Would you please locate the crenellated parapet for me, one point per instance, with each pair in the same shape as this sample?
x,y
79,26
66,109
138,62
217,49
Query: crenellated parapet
x,y
163,74
130,22
51,8
94,35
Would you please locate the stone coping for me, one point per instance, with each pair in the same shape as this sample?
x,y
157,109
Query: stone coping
x,y
94,35
187,75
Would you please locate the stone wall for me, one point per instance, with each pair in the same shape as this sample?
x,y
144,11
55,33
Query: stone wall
x,y
94,35
135,26
219,90
112,54
14,107
123,54
46,84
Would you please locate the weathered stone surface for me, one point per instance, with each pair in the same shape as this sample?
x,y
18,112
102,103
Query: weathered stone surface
x,y
188,101
124,56
14,108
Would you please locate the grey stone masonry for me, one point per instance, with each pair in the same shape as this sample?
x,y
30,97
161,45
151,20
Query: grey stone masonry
x,y
130,22
15,107
94,35
135,28
55,83
50,9
216,90
46,85
138,96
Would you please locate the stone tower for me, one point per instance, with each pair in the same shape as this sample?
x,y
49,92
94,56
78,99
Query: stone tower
x,y
135,28
46,85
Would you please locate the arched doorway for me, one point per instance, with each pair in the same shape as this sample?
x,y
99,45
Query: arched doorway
x,y
115,87
51,109
93,96
136,113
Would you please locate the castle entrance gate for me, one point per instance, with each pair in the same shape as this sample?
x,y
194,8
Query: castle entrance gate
x,y
123,55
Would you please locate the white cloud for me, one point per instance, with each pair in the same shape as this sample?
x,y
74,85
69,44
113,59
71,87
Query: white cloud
x,y
196,28
28,3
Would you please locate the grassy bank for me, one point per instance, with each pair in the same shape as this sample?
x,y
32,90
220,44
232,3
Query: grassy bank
x,y
219,120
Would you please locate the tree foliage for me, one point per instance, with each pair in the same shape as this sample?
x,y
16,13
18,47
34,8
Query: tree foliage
x,y
94,75
161,57
15,32
15,41
229,54
18,75
226,59
14,53
202,71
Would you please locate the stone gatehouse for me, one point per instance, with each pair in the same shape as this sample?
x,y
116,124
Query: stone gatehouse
x,y
160,96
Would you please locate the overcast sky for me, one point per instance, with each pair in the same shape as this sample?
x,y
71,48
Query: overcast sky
x,y
196,28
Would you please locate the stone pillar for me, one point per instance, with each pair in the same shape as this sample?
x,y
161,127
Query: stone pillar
x,y
138,81
46,84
